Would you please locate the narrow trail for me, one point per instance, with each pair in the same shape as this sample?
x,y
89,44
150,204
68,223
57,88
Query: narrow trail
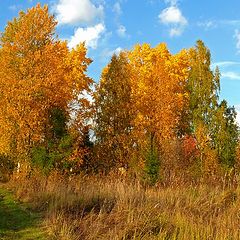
x,y
17,221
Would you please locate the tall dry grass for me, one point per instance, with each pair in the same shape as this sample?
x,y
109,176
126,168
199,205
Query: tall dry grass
x,y
114,207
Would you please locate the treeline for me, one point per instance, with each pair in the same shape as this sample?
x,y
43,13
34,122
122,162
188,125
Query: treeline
x,y
153,114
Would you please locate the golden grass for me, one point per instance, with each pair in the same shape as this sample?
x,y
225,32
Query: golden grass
x,y
97,207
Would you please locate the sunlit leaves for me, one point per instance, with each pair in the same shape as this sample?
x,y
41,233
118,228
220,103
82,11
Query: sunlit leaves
x,y
159,88
115,112
141,95
38,73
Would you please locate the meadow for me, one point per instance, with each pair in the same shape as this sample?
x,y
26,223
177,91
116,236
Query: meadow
x,y
116,207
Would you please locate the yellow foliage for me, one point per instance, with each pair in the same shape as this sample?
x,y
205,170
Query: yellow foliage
x,y
38,72
158,89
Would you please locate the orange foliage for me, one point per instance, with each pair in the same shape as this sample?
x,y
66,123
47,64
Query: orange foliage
x,y
158,89
38,72
189,145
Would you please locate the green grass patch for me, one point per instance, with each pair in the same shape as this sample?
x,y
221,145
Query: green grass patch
x,y
17,221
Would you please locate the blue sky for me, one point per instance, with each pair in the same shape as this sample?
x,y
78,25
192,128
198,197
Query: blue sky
x,y
108,26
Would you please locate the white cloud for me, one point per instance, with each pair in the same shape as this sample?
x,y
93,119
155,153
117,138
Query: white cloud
x,y
237,37
121,31
117,8
118,50
173,17
229,69
237,108
89,35
115,51
238,118
231,75
108,53
232,22
77,11
175,32
207,24
225,64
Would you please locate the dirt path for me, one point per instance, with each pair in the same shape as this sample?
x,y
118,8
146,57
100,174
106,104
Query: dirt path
x,y
17,221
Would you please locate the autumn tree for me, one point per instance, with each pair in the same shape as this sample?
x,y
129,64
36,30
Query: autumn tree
x,y
212,123
115,113
159,95
203,87
40,78
139,100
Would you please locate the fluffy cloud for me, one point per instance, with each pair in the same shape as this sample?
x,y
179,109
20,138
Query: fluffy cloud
x,y
121,31
237,36
77,11
173,17
89,35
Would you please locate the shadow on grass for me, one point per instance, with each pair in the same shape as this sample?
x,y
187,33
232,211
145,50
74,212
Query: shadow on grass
x,y
16,221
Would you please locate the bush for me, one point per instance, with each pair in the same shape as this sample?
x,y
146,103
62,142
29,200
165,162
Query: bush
x,y
6,167
152,164
40,159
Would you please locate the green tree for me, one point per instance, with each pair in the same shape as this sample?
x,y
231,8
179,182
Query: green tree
x,y
114,113
225,134
203,86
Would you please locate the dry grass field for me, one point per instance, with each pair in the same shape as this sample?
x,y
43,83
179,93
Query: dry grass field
x,y
114,207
